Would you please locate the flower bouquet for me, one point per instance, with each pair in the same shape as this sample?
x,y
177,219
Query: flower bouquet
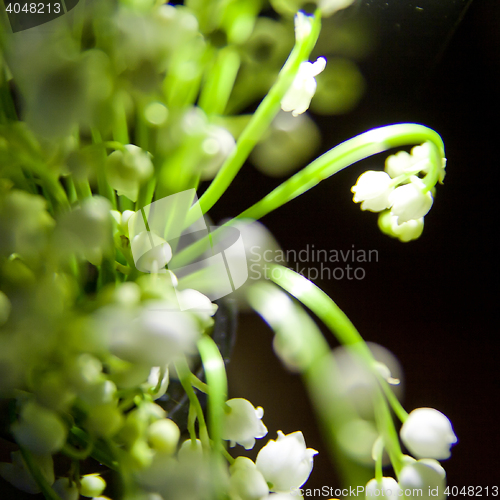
x,y
121,125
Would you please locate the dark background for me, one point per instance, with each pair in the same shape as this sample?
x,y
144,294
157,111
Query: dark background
x,y
432,302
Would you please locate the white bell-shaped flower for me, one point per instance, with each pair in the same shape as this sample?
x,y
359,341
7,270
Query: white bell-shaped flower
x,y
406,231
387,488
242,424
427,433
286,463
426,477
299,95
373,189
246,481
411,201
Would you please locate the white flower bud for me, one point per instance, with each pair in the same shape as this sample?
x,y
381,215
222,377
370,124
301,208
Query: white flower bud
x,y
286,462
92,485
163,435
66,490
387,488
246,481
427,433
373,189
426,477
299,95
410,202
243,423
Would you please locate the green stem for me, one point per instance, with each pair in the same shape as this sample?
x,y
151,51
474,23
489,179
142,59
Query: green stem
x,y
261,119
102,184
220,81
339,324
184,374
345,154
215,372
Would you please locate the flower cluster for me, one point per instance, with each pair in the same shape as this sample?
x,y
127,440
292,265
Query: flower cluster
x,y
401,190
428,435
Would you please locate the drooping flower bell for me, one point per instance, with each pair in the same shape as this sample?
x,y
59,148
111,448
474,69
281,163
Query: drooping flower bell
x,y
388,488
425,476
242,423
411,201
428,433
373,189
286,463
299,95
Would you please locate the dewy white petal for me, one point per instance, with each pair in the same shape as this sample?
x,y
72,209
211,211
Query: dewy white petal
x,y
373,189
299,95
424,475
428,433
410,202
388,488
243,423
286,463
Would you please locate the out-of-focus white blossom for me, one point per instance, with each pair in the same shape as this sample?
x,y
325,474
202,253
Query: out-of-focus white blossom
x,y
299,95
127,170
410,201
428,433
40,430
242,423
246,481
92,485
286,463
163,435
329,7
387,488
65,489
373,189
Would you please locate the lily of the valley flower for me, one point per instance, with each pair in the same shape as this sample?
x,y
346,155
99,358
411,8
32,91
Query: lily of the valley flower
x,y
373,189
246,481
411,201
428,433
299,95
242,423
425,476
406,231
387,488
286,463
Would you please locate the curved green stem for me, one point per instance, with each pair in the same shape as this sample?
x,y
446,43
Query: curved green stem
x,y
345,154
340,325
184,374
261,119
215,372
